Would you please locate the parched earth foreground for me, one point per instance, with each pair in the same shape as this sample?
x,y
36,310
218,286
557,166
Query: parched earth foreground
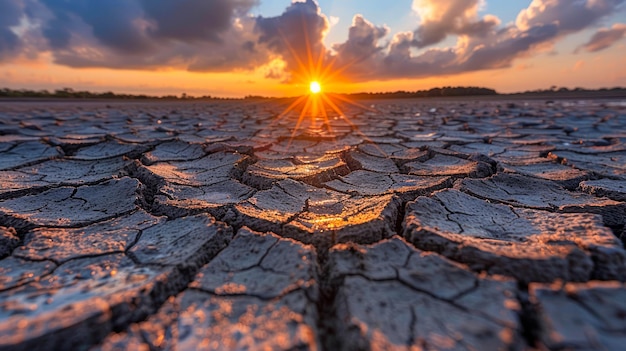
x,y
408,225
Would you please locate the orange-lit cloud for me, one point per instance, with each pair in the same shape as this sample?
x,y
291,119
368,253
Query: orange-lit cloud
x,y
442,18
605,38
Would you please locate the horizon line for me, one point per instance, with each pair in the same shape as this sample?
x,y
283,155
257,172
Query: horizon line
x,y
68,92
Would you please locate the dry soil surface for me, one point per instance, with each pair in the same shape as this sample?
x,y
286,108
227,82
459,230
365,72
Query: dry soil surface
x,y
405,225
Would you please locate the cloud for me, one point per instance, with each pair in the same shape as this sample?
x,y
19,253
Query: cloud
x,y
197,35
604,38
296,35
10,13
568,15
137,26
95,17
361,50
193,20
508,46
496,49
482,44
445,17
401,63
222,36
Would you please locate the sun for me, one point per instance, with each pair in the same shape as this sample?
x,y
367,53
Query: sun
x,y
315,87
319,105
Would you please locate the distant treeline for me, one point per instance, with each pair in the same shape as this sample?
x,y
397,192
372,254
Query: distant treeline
x,y
76,94
552,92
556,91
434,92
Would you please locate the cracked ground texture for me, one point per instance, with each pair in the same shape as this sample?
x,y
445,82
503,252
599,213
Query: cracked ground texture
x,y
454,224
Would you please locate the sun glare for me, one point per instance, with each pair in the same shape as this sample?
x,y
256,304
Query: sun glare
x,y
319,106
315,87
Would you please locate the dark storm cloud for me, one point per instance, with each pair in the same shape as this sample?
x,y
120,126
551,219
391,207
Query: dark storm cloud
x,y
112,23
189,20
10,14
604,38
198,35
132,26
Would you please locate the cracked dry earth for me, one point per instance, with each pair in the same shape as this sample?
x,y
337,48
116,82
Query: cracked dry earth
x,y
420,224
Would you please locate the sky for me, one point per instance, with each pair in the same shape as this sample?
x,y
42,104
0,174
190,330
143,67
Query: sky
x,y
234,48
